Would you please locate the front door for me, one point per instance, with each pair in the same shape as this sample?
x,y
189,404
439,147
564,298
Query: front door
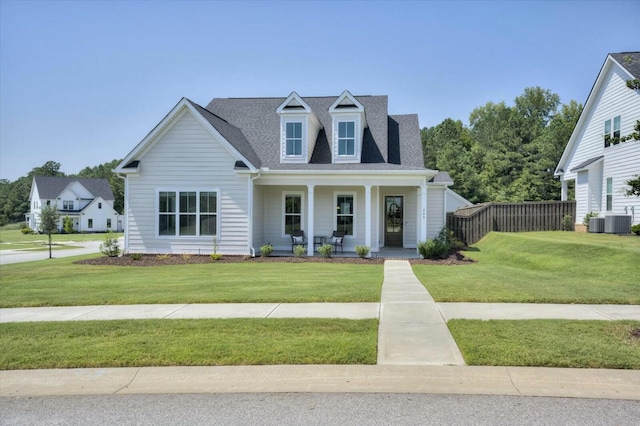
x,y
393,220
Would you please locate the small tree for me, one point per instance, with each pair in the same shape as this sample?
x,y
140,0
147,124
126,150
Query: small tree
x,y
49,222
67,225
110,247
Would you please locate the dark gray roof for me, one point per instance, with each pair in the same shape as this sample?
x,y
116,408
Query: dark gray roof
x,y
586,163
630,61
389,142
50,187
442,177
231,133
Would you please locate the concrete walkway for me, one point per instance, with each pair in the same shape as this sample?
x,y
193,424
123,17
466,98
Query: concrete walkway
x,y
412,330
416,353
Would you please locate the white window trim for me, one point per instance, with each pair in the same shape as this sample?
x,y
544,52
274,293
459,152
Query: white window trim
x,y
284,210
334,203
302,158
197,190
606,194
358,134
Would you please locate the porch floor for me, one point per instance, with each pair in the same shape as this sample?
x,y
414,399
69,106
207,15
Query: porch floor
x,y
384,253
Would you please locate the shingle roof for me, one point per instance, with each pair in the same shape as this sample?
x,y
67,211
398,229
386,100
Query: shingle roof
x,y
49,187
389,142
587,162
442,177
630,61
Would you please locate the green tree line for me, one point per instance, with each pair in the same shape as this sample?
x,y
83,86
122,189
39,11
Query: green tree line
x,y
507,153
14,196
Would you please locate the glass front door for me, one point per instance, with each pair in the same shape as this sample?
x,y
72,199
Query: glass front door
x,y
393,220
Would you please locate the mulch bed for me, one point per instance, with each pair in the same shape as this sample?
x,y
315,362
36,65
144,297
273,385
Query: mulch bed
x,y
456,258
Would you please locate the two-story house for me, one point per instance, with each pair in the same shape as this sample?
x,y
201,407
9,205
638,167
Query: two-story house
x,y
244,172
596,161
88,202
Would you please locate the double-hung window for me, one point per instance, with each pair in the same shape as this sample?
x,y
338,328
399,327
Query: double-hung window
x,y
67,205
347,138
292,213
187,213
609,194
293,137
345,213
611,135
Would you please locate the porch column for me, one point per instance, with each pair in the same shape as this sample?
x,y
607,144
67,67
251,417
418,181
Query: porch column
x,y
565,189
367,217
423,212
310,197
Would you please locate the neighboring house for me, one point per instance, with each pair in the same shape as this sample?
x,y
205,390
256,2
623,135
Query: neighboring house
x,y
593,162
244,172
88,202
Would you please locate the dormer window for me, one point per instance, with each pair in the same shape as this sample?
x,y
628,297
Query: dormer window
x,y
299,129
346,138
348,124
293,138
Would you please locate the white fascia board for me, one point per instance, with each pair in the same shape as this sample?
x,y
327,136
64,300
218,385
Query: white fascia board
x,y
593,95
281,109
175,113
346,94
219,137
151,136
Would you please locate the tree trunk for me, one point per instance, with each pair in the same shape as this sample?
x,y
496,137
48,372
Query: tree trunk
x,y
50,257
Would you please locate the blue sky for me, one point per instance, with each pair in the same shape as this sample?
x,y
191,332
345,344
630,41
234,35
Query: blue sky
x,y
81,83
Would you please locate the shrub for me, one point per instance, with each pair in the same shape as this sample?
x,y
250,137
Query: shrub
x,y
26,230
186,257
162,256
299,251
362,251
439,247
266,250
135,256
216,256
67,225
636,229
567,223
110,247
325,250
588,216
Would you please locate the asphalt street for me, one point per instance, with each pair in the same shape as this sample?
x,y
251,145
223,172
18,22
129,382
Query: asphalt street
x,y
316,409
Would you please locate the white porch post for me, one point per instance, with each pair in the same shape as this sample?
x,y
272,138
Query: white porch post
x,y
310,197
565,189
423,212
367,217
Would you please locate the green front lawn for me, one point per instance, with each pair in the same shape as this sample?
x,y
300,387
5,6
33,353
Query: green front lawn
x,y
187,342
541,267
13,239
548,343
60,282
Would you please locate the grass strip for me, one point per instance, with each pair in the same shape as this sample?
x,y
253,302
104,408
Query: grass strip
x,y
60,282
548,343
11,238
541,267
203,342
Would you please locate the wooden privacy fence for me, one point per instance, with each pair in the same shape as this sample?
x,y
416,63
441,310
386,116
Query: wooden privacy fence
x,y
470,224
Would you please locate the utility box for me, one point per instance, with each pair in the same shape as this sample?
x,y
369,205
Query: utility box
x,y
596,225
617,224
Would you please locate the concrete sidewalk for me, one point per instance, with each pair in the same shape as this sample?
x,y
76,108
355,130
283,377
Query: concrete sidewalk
x,y
412,330
554,382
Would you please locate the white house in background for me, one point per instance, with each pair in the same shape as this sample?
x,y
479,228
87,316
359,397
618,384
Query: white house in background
x,y
250,171
593,161
88,202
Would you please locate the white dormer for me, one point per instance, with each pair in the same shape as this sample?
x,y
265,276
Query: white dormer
x,y
299,128
348,124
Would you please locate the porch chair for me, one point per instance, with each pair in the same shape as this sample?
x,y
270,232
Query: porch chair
x,y
298,239
336,240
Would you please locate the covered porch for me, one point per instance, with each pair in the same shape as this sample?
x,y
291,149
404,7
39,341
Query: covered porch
x,y
389,215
